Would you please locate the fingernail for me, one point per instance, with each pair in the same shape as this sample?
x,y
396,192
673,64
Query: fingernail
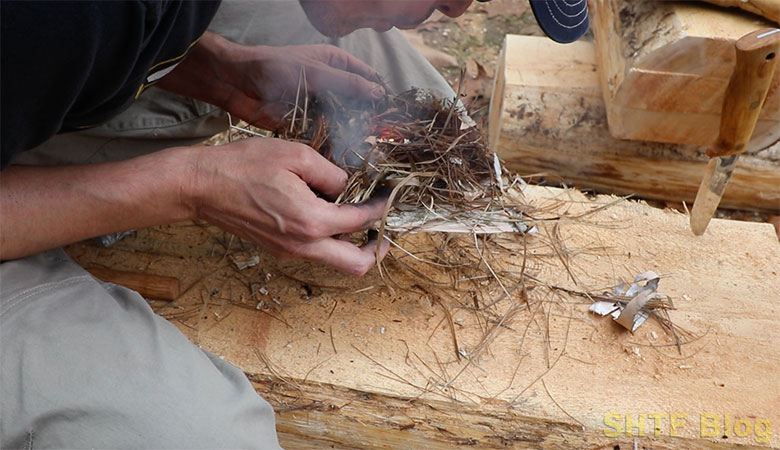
x,y
378,92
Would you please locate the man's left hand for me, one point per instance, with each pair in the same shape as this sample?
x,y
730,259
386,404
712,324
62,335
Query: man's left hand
x,y
258,83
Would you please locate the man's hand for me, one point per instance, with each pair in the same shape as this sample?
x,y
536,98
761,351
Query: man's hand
x,y
261,189
250,82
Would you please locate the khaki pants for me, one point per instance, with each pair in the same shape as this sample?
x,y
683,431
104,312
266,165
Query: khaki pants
x,y
85,364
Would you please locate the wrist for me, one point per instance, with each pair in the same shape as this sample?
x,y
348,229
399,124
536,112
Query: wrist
x,y
207,72
188,184
231,67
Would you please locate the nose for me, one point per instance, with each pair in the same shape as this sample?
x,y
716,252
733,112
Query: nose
x,y
453,8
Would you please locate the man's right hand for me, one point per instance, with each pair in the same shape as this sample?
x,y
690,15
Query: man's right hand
x,y
262,189
259,189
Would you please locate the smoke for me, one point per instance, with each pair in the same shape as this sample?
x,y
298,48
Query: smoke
x,y
350,128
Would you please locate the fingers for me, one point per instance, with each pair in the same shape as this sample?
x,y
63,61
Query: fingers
x,y
319,173
370,246
344,256
338,219
322,175
345,74
319,236
345,83
341,59
314,217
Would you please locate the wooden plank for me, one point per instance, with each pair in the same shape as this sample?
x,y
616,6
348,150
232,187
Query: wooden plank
x,y
664,67
547,115
349,363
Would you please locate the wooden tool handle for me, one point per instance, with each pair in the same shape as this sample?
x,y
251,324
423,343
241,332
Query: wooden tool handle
x,y
757,55
149,286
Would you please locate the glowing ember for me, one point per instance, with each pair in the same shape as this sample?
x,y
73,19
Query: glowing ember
x,y
387,135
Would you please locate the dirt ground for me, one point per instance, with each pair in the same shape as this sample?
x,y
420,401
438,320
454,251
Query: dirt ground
x,y
473,42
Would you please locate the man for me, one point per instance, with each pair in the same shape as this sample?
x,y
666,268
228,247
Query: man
x,y
67,66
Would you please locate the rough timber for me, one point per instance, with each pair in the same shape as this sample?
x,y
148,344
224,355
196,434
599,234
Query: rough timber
x,y
345,362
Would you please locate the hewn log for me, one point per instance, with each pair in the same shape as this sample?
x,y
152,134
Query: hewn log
x,y
548,115
316,416
357,365
766,8
664,67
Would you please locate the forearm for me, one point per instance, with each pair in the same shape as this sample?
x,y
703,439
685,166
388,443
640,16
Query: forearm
x,y
48,207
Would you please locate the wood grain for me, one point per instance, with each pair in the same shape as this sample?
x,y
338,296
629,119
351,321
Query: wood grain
x,y
766,8
548,116
664,68
150,286
358,366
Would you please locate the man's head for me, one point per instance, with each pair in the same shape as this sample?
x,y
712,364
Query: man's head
x,y
562,20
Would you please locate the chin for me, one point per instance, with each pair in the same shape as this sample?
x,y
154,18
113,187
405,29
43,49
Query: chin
x,y
334,31
407,26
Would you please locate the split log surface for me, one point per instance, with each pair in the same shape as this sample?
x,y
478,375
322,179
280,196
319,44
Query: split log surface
x,y
547,115
348,366
664,67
